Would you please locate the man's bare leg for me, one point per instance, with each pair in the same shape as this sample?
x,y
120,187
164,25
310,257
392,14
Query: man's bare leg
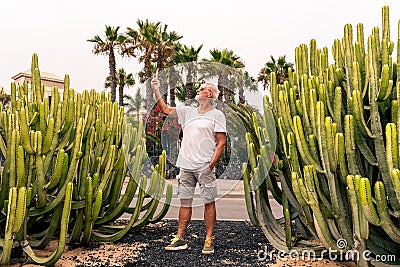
x,y
210,217
185,214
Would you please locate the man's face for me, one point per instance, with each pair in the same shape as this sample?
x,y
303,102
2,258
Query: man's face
x,y
204,92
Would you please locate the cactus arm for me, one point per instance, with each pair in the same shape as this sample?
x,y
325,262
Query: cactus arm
x,y
69,174
357,111
263,213
376,123
3,146
41,202
395,174
313,113
108,169
24,132
348,58
364,148
293,156
386,85
366,202
53,258
287,187
74,236
69,117
49,137
270,178
292,102
113,237
130,190
330,143
34,120
387,224
340,155
8,238
302,145
361,225
50,231
165,208
21,176
392,155
334,190
321,224
288,225
284,109
248,193
65,139
260,184
304,97
55,179
296,190
97,206
20,210
282,133
350,144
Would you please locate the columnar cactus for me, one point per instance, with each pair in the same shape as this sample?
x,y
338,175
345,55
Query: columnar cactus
x,y
66,160
337,137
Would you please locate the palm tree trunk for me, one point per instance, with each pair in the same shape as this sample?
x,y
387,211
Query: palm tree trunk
x,y
172,86
112,66
161,74
241,95
149,91
121,95
241,91
221,88
189,84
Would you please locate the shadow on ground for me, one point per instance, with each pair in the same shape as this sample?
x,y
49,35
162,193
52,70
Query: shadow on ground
x,y
236,244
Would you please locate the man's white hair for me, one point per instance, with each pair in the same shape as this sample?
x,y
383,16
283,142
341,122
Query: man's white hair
x,y
215,89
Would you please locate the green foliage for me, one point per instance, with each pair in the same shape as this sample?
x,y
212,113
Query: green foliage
x,y
66,162
332,148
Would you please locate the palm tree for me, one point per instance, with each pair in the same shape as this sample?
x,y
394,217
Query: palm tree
x,y
145,40
106,47
231,61
280,67
166,47
134,104
123,79
245,81
186,54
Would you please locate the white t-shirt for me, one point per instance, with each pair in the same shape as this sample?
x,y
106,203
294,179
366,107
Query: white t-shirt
x,y
198,142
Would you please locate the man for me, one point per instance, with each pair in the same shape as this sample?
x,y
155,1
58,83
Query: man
x,y
204,140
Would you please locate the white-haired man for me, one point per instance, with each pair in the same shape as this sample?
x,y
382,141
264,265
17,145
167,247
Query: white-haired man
x,y
204,140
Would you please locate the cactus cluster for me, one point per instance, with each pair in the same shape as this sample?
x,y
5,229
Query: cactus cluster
x,y
66,161
337,147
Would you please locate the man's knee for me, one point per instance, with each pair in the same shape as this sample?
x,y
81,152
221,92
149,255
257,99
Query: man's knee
x,y
208,192
186,202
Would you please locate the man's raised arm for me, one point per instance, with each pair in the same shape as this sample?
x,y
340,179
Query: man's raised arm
x,y
155,85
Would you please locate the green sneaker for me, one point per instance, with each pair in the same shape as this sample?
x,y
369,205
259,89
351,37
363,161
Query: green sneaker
x,y
208,246
176,244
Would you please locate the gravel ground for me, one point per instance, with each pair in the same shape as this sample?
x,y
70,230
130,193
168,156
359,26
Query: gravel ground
x,y
236,244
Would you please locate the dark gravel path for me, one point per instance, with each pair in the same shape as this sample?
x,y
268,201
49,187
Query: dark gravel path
x,y
236,244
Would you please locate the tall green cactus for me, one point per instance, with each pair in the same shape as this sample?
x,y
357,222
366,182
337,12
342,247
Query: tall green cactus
x,y
330,120
74,151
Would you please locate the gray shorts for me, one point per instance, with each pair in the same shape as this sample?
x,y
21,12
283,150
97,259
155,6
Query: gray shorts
x,y
187,183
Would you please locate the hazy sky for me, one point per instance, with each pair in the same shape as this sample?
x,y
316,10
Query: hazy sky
x,y
254,30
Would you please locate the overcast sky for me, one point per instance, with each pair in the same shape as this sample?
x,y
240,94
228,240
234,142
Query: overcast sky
x,y
254,30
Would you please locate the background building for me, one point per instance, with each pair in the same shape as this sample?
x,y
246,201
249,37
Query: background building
x,y
48,79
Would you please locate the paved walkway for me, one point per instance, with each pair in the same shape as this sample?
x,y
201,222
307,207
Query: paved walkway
x,y
230,202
